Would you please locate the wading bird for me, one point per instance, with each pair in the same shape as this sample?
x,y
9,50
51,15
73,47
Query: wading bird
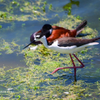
x,y
55,32
68,45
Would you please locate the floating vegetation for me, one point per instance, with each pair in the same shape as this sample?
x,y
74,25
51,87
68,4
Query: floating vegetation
x,y
36,82
8,47
0,26
68,6
32,83
23,10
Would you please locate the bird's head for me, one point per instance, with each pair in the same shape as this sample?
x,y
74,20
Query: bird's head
x,y
46,30
34,38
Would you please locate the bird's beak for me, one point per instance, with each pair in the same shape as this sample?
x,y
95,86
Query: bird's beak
x,y
28,45
33,39
33,42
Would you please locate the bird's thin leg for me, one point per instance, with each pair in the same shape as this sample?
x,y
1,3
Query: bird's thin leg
x,y
74,67
72,60
82,65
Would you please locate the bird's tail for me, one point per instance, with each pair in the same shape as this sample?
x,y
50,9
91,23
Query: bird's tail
x,y
95,39
81,26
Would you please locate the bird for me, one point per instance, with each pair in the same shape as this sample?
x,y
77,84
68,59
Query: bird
x,y
55,32
68,45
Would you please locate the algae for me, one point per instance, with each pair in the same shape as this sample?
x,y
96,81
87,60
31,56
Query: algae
x,y
36,81
23,10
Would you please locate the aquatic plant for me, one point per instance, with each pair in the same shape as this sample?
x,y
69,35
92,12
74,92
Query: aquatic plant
x,y
15,9
36,81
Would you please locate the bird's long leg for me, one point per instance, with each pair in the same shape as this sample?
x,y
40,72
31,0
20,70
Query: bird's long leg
x,y
72,60
82,65
74,67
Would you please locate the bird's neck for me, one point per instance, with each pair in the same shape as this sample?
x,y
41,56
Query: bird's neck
x,y
44,41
